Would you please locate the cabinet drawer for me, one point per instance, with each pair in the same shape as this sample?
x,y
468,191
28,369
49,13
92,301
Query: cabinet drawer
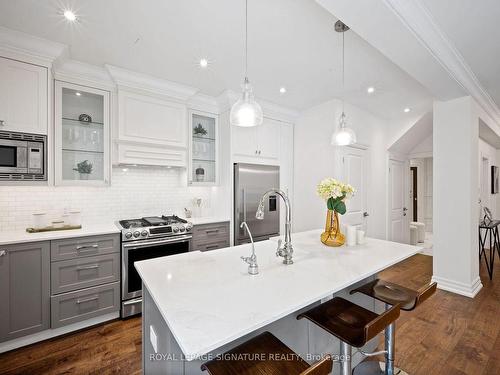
x,y
211,232
73,274
206,246
84,246
88,303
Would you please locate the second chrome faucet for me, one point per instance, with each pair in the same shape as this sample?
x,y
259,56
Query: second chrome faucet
x,y
253,267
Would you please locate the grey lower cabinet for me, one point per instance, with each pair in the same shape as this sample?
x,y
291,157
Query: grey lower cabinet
x,y
85,278
24,289
210,236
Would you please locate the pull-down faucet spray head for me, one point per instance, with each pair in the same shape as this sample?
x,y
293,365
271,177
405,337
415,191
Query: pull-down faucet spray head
x,y
259,215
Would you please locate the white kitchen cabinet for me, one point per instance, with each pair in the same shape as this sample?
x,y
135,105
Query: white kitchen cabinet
x,y
151,120
23,97
82,135
203,166
262,142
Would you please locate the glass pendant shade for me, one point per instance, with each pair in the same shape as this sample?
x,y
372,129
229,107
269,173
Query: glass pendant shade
x,y
343,136
246,112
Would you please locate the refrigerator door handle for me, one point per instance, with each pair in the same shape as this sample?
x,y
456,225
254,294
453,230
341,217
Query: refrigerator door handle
x,y
244,200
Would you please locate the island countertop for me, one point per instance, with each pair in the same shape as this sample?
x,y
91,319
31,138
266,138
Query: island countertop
x,y
208,299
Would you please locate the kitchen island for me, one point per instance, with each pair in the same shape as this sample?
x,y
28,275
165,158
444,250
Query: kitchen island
x,y
200,304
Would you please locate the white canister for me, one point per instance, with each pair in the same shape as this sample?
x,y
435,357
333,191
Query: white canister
x,y
40,220
360,237
75,218
351,235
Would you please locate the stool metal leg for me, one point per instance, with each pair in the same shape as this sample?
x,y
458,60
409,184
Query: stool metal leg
x,y
381,368
345,358
390,348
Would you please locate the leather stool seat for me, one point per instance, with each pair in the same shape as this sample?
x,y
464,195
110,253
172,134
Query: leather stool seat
x,y
393,294
265,355
349,322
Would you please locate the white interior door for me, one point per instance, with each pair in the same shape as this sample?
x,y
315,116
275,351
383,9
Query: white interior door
x,y
354,165
398,212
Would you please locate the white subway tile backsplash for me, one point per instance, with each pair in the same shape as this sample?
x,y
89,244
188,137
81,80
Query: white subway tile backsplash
x,y
133,193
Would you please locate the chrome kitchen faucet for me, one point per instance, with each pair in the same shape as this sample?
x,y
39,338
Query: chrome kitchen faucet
x,y
253,268
287,250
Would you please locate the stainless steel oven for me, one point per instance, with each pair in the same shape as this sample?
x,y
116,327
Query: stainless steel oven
x,y
22,156
134,251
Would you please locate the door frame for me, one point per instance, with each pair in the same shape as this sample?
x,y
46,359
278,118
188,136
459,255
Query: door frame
x,y
414,192
402,158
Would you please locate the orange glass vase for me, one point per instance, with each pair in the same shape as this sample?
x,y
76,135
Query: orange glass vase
x,y
332,236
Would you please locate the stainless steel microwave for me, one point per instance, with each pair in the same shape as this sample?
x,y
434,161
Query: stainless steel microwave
x,y
22,157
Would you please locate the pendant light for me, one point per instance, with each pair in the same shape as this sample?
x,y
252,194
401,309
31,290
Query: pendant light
x,y
246,112
344,135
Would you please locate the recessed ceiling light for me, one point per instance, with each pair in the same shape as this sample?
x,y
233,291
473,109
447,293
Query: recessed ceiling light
x,y
78,93
203,63
69,15
282,90
370,90
406,110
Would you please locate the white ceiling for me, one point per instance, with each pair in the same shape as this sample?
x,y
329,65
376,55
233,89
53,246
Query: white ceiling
x,y
291,44
472,26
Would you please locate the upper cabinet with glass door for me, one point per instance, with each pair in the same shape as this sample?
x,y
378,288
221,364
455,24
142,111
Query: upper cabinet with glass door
x,y
82,135
203,164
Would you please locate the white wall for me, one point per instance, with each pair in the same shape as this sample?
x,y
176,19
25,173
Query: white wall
x,y
423,149
136,192
456,134
315,159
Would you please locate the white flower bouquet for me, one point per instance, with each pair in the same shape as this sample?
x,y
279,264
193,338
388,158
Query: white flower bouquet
x,y
335,193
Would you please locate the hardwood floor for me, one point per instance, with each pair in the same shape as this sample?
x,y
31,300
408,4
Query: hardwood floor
x,y
447,335
111,348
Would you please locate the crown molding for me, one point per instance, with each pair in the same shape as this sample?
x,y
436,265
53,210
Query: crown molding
x,y
204,103
83,74
17,45
147,83
417,18
271,110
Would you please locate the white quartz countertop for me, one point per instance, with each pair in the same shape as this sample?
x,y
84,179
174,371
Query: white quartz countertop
x,y
208,299
20,236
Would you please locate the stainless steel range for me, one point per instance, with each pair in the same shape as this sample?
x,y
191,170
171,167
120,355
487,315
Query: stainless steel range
x,y
147,238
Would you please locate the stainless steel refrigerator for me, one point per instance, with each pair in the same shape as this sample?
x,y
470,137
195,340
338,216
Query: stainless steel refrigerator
x,y
251,181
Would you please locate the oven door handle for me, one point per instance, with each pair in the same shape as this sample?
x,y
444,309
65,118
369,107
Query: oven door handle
x,y
137,245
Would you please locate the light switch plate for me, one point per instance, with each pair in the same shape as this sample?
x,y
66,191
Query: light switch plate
x,y
153,339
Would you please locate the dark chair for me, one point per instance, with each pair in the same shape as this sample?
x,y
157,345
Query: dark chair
x,y
353,325
391,294
265,355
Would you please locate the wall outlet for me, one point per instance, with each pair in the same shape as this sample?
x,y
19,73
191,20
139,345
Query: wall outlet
x,y
153,339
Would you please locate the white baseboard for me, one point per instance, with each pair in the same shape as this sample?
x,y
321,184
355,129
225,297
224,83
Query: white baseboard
x,y
459,287
50,333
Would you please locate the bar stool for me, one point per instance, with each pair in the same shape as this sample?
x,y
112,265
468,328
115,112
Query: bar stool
x,y
353,325
265,355
391,294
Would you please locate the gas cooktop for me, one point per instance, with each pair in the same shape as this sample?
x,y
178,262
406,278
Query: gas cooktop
x,y
153,227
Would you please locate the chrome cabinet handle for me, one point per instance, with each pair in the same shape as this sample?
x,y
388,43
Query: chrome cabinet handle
x,y
79,301
3,253
82,247
2,122
211,247
91,267
212,231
